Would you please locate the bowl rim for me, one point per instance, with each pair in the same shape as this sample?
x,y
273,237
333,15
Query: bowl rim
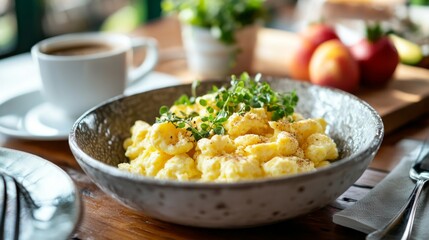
x,y
84,158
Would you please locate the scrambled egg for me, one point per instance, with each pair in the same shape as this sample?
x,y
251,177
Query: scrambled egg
x,y
253,147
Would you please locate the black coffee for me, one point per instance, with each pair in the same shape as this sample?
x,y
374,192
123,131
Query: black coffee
x,y
79,49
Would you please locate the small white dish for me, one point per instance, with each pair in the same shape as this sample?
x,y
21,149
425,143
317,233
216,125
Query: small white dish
x,y
24,114
53,209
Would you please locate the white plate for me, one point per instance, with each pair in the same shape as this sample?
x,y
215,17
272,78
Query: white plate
x,y
23,112
57,206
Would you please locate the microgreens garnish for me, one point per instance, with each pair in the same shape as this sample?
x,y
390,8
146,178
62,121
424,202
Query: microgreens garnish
x,y
244,94
184,99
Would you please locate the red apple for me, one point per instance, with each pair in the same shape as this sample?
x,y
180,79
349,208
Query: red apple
x,y
319,33
300,59
333,65
377,58
309,39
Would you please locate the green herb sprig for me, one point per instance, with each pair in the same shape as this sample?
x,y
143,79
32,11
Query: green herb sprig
x,y
244,94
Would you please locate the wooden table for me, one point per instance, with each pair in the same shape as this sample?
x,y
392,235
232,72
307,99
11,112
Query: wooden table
x,y
104,218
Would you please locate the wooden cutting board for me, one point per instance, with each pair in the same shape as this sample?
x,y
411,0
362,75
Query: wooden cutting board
x,y
403,100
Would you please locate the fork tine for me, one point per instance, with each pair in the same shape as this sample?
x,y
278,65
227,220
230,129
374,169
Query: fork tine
x,y
17,201
3,205
10,217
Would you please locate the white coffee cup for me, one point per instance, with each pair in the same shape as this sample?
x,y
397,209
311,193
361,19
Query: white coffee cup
x,y
80,70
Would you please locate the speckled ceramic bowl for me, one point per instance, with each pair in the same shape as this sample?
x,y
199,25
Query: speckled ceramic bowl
x,y
96,142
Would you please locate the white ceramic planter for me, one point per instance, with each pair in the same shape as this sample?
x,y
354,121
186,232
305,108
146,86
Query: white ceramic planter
x,y
210,58
420,16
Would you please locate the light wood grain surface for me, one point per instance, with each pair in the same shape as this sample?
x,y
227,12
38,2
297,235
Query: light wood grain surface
x,y
104,218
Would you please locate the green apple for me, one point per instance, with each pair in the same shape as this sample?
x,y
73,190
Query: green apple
x,y
409,53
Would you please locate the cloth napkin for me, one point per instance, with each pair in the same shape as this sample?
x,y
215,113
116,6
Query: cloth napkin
x,y
382,203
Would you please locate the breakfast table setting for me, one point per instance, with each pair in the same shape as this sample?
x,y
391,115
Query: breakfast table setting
x,y
85,204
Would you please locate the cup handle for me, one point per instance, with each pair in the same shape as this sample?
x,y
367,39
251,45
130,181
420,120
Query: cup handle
x,y
150,60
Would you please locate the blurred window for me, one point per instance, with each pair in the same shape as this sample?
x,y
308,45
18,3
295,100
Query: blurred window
x,y
25,22
8,29
64,16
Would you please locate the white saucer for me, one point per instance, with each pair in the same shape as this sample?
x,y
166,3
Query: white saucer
x,y
23,112
54,209
28,116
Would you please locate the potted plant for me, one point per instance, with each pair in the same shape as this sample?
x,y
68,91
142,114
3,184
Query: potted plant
x,y
219,36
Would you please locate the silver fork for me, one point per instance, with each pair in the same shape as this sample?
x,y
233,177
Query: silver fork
x,y
10,208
